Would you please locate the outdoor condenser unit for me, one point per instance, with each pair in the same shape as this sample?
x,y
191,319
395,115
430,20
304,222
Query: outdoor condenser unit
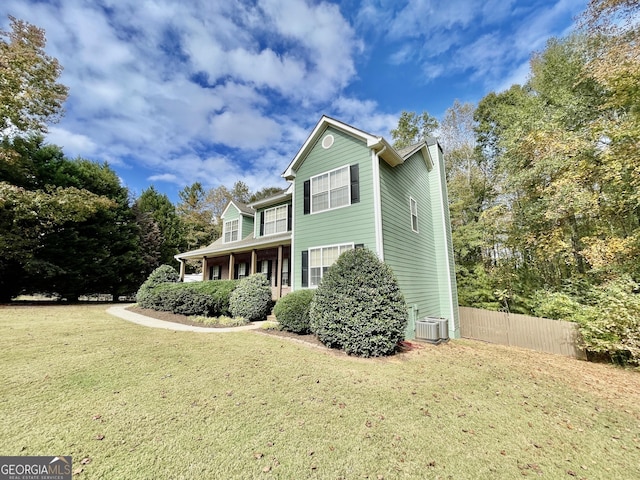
x,y
443,323
428,330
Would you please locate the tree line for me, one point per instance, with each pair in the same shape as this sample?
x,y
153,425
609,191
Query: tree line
x,y
544,183
67,226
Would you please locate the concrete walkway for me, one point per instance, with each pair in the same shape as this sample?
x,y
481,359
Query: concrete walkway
x,y
121,311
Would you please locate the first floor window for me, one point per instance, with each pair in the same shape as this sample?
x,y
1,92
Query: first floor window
x,y
241,270
320,259
230,231
214,272
285,272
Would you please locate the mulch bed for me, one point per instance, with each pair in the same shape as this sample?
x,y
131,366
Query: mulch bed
x,y
309,339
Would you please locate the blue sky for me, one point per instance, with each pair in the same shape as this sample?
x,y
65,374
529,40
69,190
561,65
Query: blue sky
x,y
173,92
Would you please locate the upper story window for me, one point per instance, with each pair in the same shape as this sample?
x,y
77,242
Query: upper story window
x,y
230,231
334,189
414,214
275,220
330,190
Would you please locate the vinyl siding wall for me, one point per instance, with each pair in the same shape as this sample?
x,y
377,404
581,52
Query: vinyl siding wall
x,y
350,224
245,223
409,254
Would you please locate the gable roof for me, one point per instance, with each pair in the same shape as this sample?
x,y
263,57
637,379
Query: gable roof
x,y
378,144
422,147
241,207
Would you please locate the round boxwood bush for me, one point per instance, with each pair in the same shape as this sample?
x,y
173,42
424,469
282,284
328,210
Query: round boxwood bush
x,y
292,311
358,306
162,274
252,298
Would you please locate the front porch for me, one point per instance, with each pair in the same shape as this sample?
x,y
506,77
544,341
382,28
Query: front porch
x,y
238,260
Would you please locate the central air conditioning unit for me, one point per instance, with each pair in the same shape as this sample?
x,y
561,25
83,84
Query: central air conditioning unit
x,y
428,330
433,330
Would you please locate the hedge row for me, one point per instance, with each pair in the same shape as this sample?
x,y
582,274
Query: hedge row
x,y
209,299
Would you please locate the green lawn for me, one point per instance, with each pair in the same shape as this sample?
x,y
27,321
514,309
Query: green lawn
x,y
140,403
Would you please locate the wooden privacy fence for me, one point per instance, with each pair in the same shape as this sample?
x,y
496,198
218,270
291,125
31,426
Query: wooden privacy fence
x,y
541,334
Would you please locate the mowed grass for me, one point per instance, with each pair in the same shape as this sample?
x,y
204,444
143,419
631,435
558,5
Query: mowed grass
x,y
138,403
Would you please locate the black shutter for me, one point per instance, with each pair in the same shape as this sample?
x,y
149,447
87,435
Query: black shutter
x,y
355,184
211,272
261,223
258,266
235,271
305,268
270,271
219,272
289,217
307,197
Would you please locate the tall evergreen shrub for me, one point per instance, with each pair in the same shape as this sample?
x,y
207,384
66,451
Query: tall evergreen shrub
x,y
359,307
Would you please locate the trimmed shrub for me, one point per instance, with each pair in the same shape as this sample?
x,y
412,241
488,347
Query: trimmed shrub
x,y
209,299
252,298
358,306
292,311
162,274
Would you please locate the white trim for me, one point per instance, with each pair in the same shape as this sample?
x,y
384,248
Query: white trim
x,y
328,173
413,201
377,205
292,250
453,326
322,247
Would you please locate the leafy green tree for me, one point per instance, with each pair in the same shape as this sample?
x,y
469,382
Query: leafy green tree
x,y
413,128
156,212
30,96
198,220
265,192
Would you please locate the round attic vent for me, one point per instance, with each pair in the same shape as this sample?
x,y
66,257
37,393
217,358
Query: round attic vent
x,y
327,141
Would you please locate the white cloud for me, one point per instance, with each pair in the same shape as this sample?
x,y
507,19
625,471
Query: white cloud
x,y
247,130
165,177
73,144
216,91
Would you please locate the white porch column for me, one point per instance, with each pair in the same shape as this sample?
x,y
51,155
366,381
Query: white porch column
x,y
232,263
183,266
204,268
279,273
254,261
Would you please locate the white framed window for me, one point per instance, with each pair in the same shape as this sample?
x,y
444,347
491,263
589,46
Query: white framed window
x,y
321,258
231,231
413,205
285,272
242,269
330,190
275,220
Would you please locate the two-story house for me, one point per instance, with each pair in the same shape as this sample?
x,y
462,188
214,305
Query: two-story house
x,y
348,189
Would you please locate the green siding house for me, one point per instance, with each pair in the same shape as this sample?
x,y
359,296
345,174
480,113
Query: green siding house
x,y
348,189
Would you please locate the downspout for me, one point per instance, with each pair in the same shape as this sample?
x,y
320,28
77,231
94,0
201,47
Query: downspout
x,y
377,202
